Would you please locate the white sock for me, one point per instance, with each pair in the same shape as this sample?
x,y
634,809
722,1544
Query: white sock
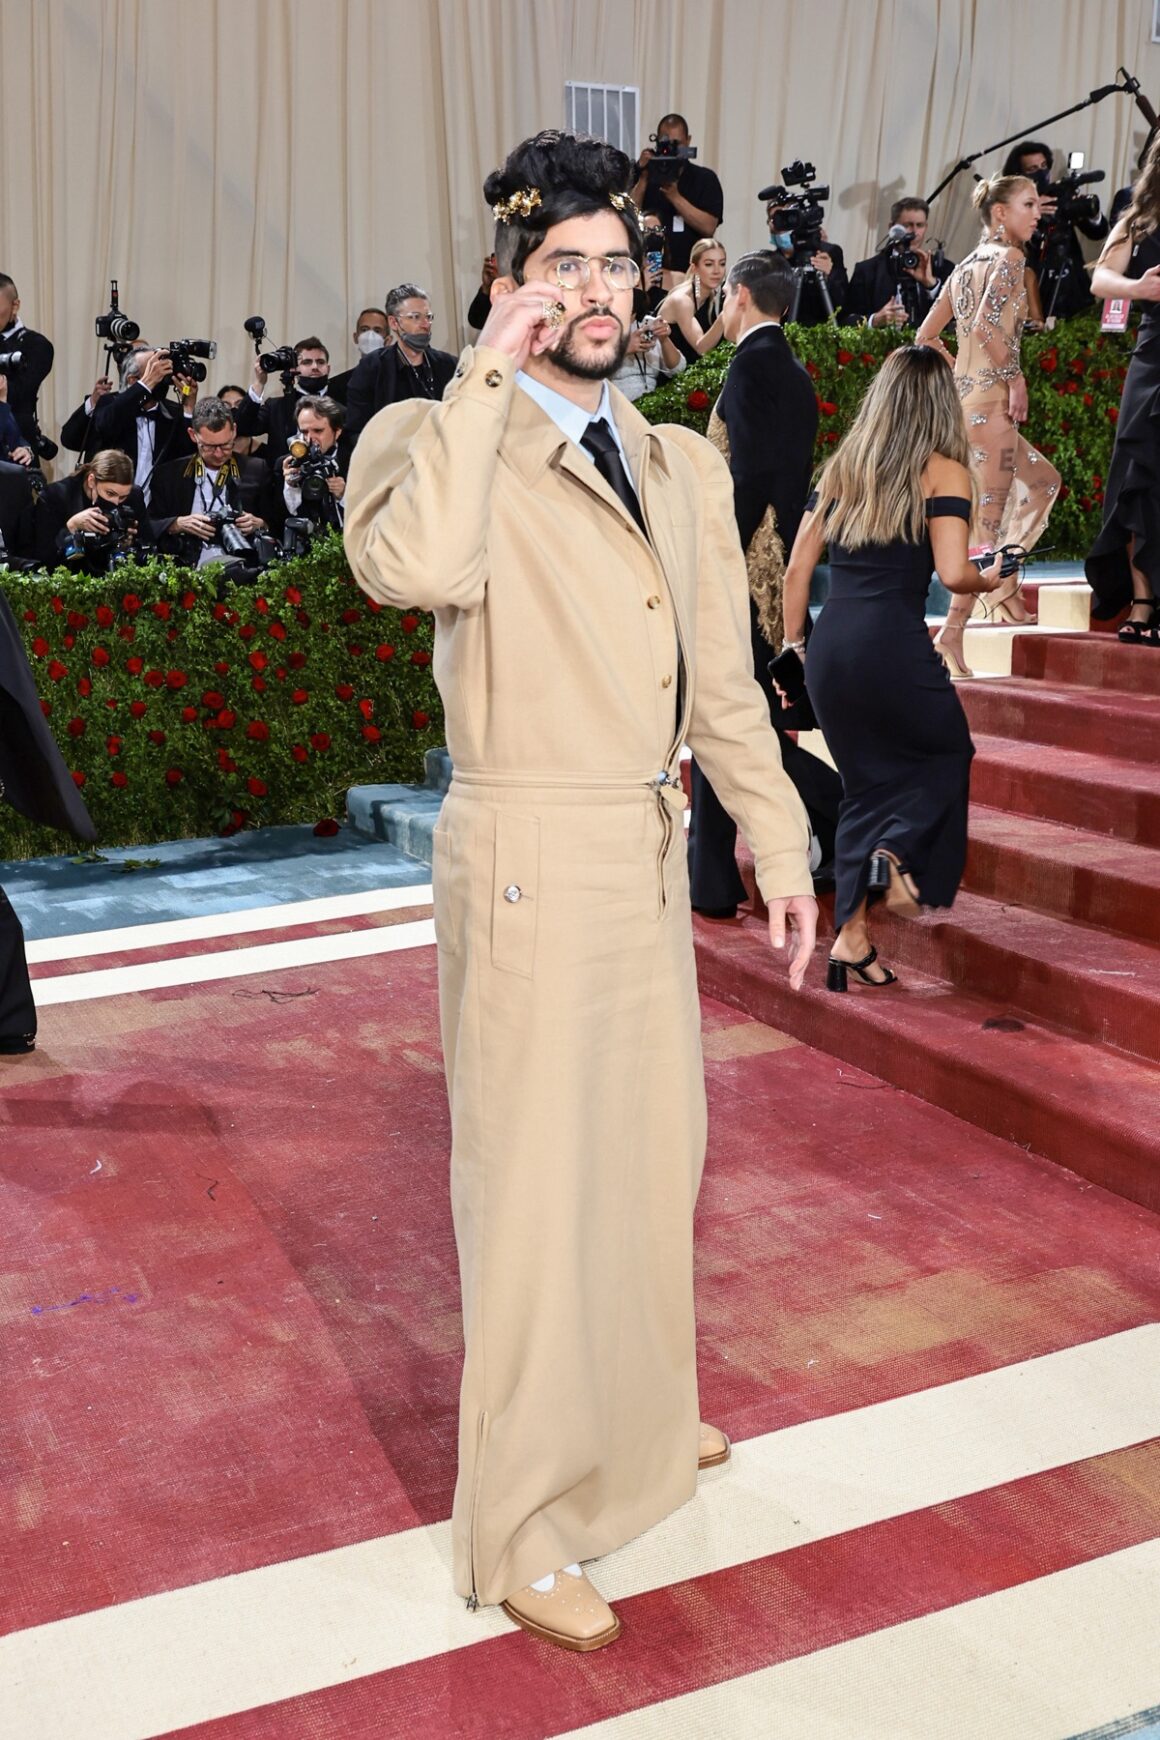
x,y
545,1585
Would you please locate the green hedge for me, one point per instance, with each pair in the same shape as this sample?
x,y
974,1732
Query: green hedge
x,y
186,706
1074,379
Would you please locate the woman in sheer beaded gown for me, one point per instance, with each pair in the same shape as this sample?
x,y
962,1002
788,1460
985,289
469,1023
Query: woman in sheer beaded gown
x,y
987,298
893,503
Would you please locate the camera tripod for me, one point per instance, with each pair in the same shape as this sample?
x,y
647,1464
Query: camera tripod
x,y
805,272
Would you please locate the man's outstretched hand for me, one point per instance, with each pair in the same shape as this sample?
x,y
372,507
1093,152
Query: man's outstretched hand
x,y
800,915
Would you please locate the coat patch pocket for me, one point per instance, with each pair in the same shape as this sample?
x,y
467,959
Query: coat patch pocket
x,y
515,893
446,911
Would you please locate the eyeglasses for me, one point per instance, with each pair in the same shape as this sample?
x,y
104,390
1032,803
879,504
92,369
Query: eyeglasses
x,y
653,235
214,446
573,272
428,316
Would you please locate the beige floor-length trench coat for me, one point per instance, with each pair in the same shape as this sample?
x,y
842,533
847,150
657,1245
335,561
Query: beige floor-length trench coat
x,y
567,986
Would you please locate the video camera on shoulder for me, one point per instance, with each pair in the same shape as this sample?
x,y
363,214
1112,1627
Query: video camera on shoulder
x,y
667,158
801,214
1071,206
282,361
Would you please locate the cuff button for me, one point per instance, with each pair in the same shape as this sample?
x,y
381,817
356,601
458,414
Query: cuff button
x,y
512,894
493,378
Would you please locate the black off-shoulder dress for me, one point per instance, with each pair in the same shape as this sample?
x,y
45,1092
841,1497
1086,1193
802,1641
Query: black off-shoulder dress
x,y
891,719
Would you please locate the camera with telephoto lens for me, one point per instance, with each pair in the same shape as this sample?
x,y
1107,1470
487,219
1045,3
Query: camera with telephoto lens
x,y
667,158
283,361
801,214
226,533
313,468
11,362
182,353
1071,206
114,328
101,551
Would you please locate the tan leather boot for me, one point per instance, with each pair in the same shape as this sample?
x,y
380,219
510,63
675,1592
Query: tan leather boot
x,y
571,1613
715,1447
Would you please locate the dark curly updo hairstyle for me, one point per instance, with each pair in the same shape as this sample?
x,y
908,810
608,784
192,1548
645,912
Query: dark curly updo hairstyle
x,y
573,174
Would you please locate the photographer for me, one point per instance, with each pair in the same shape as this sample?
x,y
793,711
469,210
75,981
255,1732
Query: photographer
x,y
274,418
824,256
407,369
688,195
650,360
193,497
29,374
371,333
314,485
72,517
899,284
1054,253
139,419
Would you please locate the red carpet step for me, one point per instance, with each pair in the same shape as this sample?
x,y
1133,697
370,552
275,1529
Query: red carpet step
x,y
1087,661
1066,871
1097,721
1100,793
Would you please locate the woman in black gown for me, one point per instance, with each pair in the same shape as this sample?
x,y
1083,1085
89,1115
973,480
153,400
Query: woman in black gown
x,y
893,504
1124,564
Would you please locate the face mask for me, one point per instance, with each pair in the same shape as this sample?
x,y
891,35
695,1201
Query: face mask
x,y
316,385
782,239
418,340
370,341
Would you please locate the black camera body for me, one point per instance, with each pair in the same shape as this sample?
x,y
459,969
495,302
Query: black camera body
x,y
106,550
226,533
802,214
183,352
114,328
1071,206
282,361
11,362
314,468
667,158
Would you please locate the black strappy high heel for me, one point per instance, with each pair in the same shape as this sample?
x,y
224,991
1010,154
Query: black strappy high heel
x,y
1145,633
837,971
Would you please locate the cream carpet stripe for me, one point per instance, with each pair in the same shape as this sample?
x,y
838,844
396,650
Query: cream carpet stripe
x,y
146,1667
232,963
208,924
1048,1659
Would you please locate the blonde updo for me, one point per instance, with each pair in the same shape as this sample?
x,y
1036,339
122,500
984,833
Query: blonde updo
x,y
998,190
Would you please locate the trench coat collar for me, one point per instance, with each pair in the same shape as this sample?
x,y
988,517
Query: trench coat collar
x,y
532,442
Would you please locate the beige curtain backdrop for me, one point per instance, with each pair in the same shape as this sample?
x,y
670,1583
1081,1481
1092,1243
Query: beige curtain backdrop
x,y
294,158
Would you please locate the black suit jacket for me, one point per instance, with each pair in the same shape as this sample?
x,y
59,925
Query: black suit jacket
x,y
386,378
174,487
115,425
79,432
276,418
23,386
872,286
60,501
770,409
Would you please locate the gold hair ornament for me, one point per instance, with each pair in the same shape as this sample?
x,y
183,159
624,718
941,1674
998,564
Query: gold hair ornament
x,y
625,202
524,202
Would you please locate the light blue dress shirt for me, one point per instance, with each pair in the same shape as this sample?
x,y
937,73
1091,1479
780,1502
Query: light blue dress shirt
x,y
573,419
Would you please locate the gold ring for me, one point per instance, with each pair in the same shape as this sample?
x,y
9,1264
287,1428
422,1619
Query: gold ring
x,y
553,314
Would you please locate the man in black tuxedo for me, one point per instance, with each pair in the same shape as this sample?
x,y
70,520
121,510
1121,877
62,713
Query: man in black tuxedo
x,y
187,492
408,369
871,298
139,419
770,415
36,354
275,418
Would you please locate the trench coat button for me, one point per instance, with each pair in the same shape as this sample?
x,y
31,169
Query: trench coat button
x,y
665,682
493,378
654,602
512,894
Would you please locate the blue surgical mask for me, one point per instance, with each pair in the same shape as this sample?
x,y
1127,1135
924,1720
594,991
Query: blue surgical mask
x,y
782,239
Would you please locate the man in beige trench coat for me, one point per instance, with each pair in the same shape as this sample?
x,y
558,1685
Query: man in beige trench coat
x,y
592,614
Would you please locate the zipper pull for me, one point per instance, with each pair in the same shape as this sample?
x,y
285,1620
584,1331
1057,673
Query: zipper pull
x,y
472,1602
671,790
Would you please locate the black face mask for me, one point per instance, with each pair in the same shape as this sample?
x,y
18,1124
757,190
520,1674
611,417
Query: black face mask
x,y
314,385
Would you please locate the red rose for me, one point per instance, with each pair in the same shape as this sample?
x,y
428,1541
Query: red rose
x,y
258,661
46,708
40,646
188,599
176,679
1113,413
343,691
104,616
1071,386
256,787
226,719
130,602
354,650
84,688
366,708
296,661
303,616
698,399
278,631
420,658
30,616
261,606
157,737
1088,400
113,745
258,731
172,633
258,684
161,609
189,714
120,780
1064,492
76,727
219,612
77,619
128,631
827,407
300,697
56,670
844,357
420,720
112,706
869,359
293,596
173,776
247,631
373,606
138,709
221,667
326,829
1049,362
280,673
100,656
319,741
226,761
299,752
813,370
78,777
57,606
69,641
349,616
409,624
384,652
212,699
154,680
371,733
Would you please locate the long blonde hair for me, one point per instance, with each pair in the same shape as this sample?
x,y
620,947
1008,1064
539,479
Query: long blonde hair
x,y
910,413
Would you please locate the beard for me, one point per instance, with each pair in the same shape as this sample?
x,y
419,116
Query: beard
x,y
596,363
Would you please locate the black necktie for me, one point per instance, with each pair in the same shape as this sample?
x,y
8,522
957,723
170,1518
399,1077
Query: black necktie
x,y
600,442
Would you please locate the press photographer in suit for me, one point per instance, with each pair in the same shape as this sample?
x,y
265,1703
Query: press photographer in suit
x,y
35,365
871,296
315,486
764,423
139,419
189,493
407,369
274,418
